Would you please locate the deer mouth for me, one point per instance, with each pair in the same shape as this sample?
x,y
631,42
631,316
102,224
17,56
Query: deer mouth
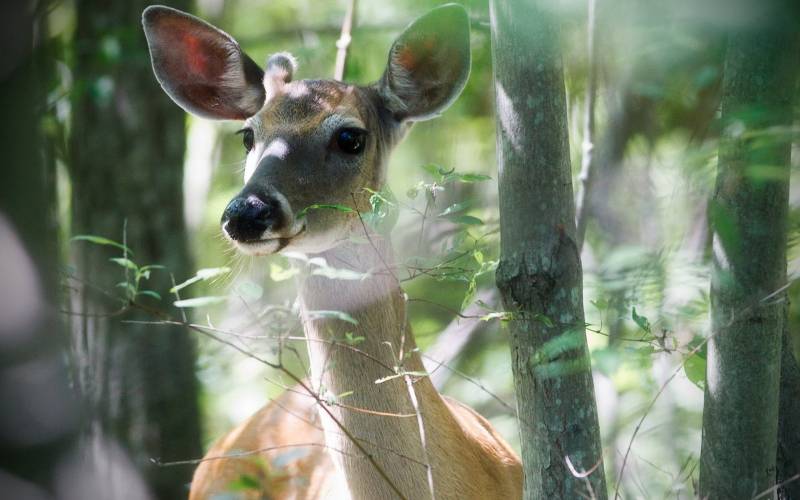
x,y
266,246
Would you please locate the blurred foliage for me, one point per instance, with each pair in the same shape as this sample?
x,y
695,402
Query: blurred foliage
x,y
646,259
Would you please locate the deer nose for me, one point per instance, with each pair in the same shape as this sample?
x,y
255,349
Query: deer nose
x,y
247,218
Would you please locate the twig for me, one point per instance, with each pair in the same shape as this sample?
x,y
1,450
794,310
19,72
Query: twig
x,y
584,475
776,487
343,43
412,394
647,412
298,381
244,454
588,158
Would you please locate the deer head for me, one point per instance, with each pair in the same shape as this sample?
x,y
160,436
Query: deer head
x,y
308,142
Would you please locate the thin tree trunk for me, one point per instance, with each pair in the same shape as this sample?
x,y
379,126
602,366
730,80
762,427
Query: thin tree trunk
x,y
126,165
539,275
749,218
788,458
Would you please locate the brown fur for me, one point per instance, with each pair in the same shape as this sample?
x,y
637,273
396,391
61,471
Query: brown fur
x,y
290,449
293,419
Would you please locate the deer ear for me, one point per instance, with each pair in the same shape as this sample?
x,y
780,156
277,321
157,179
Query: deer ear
x,y
428,64
201,67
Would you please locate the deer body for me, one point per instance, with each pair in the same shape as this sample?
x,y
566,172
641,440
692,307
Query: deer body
x,y
323,142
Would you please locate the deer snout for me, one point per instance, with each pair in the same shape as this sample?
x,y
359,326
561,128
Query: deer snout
x,y
252,218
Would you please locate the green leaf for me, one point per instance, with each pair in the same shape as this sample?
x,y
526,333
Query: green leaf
x,y
384,213
501,315
435,171
199,301
466,220
244,482
152,266
695,369
278,273
352,340
546,321
642,321
150,293
99,240
125,263
201,275
343,316
469,296
212,272
455,208
466,178
339,274
249,290
326,206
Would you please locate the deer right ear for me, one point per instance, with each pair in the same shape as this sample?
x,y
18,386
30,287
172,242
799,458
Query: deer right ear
x,y
201,67
428,65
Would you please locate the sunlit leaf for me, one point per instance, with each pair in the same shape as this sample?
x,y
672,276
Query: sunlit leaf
x,y
466,178
343,316
695,369
125,263
339,274
501,315
201,275
99,240
278,273
324,206
199,301
249,290
243,483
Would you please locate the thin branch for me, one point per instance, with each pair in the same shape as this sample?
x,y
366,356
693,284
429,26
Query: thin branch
x,y
245,454
412,394
588,159
768,492
647,412
343,43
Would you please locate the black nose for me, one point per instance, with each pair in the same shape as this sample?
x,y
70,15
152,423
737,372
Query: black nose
x,y
246,218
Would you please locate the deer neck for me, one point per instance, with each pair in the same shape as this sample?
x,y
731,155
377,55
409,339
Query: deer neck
x,y
359,364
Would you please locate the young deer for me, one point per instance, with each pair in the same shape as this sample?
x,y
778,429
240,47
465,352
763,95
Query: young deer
x,y
323,142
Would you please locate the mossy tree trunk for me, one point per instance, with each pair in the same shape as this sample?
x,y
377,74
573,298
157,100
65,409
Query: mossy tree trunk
x,y
749,215
127,143
540,275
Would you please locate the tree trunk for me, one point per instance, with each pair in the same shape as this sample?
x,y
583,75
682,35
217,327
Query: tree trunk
x,y
540,276
40,418
749,218
788,458
127,143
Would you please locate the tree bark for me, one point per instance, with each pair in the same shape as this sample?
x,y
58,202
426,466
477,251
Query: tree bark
x,y
40,419
540,276
749,218
788,458
127,143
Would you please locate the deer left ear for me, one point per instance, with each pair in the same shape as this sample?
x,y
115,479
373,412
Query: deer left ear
x,y
428,65
201,67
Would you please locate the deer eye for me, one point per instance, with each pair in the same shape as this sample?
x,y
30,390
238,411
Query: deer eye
x,y
248,138
351,140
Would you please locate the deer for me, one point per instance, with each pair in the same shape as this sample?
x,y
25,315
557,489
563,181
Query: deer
x,y
314,143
